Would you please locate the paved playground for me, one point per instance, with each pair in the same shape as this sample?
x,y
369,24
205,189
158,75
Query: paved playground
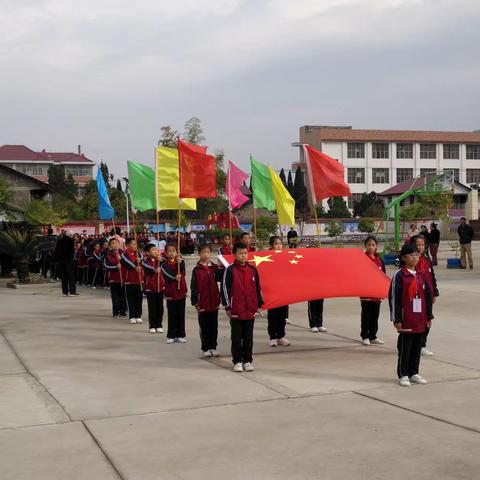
x,y
85,396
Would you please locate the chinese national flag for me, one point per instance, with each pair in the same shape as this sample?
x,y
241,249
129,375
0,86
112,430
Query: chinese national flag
x,y
198,171
293,276
326,176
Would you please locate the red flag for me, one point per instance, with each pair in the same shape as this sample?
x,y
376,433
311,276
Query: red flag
x,y
292,276
326,176
198,171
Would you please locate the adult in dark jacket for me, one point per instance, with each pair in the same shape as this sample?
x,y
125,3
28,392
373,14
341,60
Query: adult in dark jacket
x,y
465,236
434,238
64,255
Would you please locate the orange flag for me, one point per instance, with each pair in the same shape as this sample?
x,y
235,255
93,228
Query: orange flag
x,y
198,171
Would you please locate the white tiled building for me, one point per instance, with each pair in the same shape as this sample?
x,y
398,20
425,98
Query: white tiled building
x,y
375,160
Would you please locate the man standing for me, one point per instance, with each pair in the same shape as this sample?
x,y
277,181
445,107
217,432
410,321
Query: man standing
x,y
465,235
292,238
64,255
434,237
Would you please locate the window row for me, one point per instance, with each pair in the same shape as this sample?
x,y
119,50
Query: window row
x,y
79,171
32,171
451,151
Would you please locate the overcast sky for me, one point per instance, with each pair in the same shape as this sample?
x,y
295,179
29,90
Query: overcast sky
x,y
109,73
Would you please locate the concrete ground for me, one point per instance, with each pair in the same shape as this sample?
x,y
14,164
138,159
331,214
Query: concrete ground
x,y
85,396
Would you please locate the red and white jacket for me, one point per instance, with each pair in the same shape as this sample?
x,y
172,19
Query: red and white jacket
x,y
377,260
425,266
110,263
153,280
130,260
204,288
169,271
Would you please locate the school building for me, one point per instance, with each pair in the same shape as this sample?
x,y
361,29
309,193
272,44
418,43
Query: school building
x,y
376,160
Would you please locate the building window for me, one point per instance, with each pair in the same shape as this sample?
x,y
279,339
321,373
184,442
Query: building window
x,y
78,171
353,199
473,175
451,151
428,150
356,175
356,150
31,170
455,171
404,150
380,150
380,175
424,172
473,152
404,174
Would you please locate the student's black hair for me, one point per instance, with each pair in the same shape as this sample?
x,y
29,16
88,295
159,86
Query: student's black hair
x,y
129,240
149,246
243,234
238,246
370,237
112,240
273,238
170,245
204,246
407,249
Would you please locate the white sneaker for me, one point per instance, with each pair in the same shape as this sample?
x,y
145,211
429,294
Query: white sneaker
x,y
366,342
139,320
426,352
214,353
283,342
248,367
287,320
404,382
94,288
322,329
274,342
182,340
314,330
238,367
418,379
160,330
170,340
152,330
133,320
207,354
377,341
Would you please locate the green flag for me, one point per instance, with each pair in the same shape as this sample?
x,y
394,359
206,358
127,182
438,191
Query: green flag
x,y
262,186
142,186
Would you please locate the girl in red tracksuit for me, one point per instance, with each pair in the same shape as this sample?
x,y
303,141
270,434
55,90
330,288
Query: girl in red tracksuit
x,y
425,266
113,266
410,302
96,265
132,279
277,317
173,270
226,248
371,306
242,298
206,299
154,287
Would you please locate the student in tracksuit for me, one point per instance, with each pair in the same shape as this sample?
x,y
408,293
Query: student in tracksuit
x,y
132,279
425,266
96,264
154,287
410,302
371,306
205,298
173,270
277,317
113,267
226,248
242,298
315,315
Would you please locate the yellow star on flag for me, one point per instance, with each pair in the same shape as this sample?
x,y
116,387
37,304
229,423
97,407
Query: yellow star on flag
x,y
298,256
293,262
278,251
291,251
258,260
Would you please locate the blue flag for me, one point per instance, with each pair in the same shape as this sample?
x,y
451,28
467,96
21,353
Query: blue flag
x,y
105,209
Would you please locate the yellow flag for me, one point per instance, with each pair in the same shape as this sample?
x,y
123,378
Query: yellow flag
x,y
285,204
167,181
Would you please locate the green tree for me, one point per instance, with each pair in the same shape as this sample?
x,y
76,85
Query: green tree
x,y
56,179
366,201
41,212
334,229
70,187
168,137
119,185
89,202
266,227
6,196
300,194
290,187
106,174
193,132
338,208
366,225
375,211
283,178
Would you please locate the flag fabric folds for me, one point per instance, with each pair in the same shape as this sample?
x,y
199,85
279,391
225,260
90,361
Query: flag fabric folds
x,y
198,171
167,183
235,179
262,186
142,186
284,203
105,209
326,176
314,273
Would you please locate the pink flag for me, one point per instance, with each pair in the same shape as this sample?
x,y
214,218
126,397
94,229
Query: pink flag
x,y
235,179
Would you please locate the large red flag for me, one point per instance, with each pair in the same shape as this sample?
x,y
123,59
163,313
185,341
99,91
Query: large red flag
x,y
198,172
292,276
326,176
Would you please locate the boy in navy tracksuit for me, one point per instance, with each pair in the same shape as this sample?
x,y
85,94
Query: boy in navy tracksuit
x,y
154,287
410,302
242,298
173,270
132,279
206,299
113,267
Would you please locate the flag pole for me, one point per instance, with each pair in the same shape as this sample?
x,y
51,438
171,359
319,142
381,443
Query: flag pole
x,y
178,239
229,205
312,191
118,256
317,224
158,247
